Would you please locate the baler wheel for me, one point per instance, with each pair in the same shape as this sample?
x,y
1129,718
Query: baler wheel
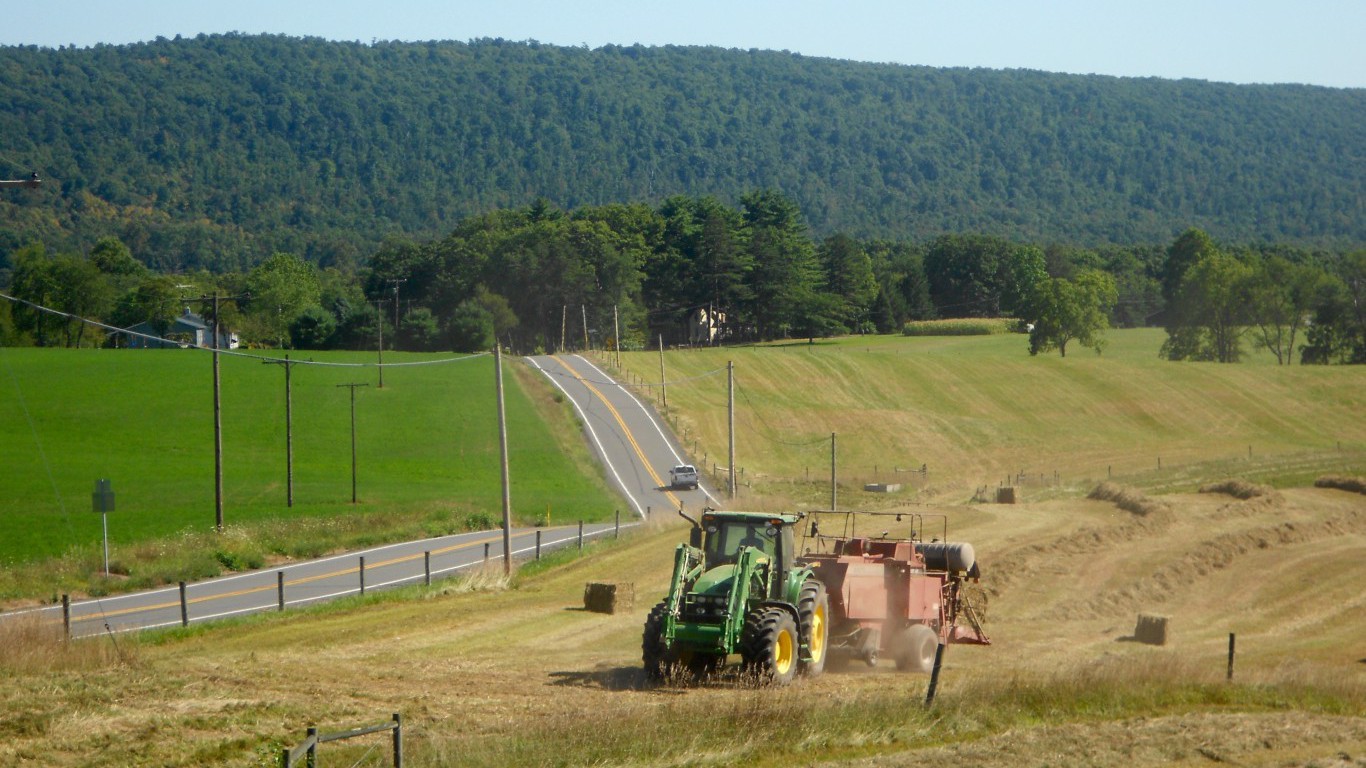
x,y
813,607
769,646
915,649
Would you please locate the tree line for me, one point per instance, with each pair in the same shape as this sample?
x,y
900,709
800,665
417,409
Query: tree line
x,y
539,279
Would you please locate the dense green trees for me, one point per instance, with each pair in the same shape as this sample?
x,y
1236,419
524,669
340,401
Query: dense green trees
x,y
539,278
217,151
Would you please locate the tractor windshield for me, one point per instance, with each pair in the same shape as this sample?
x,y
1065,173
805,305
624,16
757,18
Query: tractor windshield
x,y
726,537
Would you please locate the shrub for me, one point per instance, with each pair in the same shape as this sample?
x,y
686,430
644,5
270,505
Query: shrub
x,y
979,326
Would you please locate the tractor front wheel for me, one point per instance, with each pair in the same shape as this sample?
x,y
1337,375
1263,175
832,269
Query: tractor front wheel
x,y
653,652
915,649
813,608
769,646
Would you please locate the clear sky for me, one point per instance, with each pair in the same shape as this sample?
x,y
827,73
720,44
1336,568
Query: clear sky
x,y
1321,42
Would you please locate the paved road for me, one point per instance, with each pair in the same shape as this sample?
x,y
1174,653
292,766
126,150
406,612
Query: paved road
x,y
309,582
625,433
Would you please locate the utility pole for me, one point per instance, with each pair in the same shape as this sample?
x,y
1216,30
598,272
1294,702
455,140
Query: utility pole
x,y
584,308
289,429
832,471
564,314
663,387
218,414
379,313
353,436
503,462
396,283
616,335
730,419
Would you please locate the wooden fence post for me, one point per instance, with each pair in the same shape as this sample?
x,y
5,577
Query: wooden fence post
x,y
280,587
362,574
184,607
427,568
934,676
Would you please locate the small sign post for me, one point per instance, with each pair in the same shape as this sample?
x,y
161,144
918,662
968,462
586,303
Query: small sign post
x,y
102,501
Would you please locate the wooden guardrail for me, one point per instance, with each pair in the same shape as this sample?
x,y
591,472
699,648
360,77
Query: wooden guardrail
x,y
308,749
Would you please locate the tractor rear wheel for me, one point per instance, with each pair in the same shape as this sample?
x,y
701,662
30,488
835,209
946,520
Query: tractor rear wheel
x,y
652,647
813,608
769,646
915,648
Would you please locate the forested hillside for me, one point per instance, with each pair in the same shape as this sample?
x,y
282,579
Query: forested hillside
x,y
221,150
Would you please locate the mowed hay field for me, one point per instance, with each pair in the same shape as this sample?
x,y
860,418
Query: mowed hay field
x,y
518,674
975,410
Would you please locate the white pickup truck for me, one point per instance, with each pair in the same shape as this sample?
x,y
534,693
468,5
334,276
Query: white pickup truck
x,y
683,476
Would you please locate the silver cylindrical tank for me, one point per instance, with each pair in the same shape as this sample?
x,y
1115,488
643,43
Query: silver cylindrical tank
x,y
947,555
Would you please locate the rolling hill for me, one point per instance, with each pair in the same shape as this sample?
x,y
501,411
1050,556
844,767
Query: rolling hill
x,y
219,150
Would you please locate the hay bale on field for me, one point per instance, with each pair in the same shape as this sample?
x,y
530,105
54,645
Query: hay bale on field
x,y
609,597
1151,629
1240,489
1127,499
1342,483
1005,494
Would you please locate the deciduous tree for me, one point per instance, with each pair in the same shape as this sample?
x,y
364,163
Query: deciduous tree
x,y
1065,310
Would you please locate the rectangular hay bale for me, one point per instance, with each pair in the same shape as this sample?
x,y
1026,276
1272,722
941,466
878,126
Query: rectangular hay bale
x,y
608,597
1151,629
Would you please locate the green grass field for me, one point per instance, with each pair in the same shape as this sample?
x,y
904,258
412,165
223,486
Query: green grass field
x,y
427,445
976,409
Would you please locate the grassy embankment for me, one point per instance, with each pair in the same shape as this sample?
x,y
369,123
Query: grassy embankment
x,y
427,461
976,410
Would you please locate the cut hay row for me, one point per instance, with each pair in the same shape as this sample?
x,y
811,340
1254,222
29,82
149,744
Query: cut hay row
x,y
1353,484
1129,499
1022,563
1204,558
1240,489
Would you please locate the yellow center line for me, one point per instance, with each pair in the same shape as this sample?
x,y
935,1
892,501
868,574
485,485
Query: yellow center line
x,y
307,579
625,431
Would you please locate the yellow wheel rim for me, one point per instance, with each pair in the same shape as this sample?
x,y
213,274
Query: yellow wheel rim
x,y
818,633
784,652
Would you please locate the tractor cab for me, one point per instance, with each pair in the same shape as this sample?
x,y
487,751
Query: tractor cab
x,y
725,535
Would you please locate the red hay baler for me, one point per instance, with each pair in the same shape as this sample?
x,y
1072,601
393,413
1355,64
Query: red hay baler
x,y
900,597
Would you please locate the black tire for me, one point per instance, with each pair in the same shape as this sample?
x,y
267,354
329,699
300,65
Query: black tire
x,y
652,649
769,646
813,609
915,649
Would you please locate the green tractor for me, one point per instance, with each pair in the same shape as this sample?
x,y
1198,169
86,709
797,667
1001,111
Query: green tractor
x,y
737,589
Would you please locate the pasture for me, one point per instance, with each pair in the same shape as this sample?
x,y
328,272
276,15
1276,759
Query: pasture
x,y
427,451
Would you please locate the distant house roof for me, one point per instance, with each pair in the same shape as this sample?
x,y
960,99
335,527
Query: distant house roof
x,y
187,324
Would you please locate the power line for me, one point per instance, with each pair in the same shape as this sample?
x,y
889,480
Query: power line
x,y
229,352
